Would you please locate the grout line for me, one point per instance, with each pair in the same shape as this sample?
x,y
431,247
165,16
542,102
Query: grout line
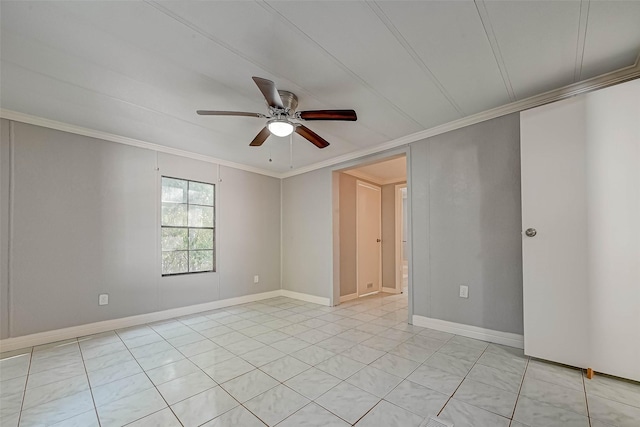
x,y
379,301
380,298
202,370
147,375
520,389
48,384
586,398
571,368
467,374
86,373
463,378
24,392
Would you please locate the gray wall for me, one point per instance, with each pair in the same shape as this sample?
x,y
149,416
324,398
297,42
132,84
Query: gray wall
x,y
465,226
86,221
466,221
249,237
307,234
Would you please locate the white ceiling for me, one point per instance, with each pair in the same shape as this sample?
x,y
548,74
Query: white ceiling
x,y
384,172
141,69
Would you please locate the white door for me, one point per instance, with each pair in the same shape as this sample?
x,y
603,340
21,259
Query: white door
x,y
405,232
554,204
368,235
581,192
402,264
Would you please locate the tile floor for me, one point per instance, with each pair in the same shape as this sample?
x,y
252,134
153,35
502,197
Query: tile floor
x,y
289,363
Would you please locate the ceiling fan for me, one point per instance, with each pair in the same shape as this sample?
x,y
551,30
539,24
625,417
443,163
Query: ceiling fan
x,y
282,109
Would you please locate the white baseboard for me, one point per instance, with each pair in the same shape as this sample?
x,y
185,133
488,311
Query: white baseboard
x,y
370,293
349,297
31,340
506,338
390,290
306,297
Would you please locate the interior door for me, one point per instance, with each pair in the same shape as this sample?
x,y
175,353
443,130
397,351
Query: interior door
x,y
581,192
402,264
405,228
554,213
368,237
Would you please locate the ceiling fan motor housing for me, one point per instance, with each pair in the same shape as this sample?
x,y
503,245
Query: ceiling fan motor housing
x,y
289,100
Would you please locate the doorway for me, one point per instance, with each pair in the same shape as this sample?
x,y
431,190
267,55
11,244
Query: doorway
x,y
356,273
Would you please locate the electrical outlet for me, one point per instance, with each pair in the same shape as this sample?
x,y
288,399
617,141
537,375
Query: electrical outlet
x,y
464,291
256,279
103,299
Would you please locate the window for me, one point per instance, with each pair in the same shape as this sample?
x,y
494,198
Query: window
x,y
187,231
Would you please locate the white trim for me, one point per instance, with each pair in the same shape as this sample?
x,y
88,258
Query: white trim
x,y
362,175
335,234
79,130
349,297
370,293
359,174
39,338
397,179
609,79
369,186
390,290
306,297
506,338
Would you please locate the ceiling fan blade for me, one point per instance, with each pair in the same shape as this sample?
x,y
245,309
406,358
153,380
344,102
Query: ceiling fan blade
x,y
270,92
347,115
313,137
229,113
261,137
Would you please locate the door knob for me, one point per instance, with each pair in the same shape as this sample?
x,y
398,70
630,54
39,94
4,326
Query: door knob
x,y
378,240
531,232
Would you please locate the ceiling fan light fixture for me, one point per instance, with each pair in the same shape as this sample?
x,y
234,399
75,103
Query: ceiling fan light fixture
x,y
282,106
280,127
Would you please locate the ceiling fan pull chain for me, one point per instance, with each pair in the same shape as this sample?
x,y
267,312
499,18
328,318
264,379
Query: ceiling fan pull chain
x,y
291,151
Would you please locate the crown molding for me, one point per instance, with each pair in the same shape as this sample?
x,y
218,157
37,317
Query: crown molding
x,y
622,75
362,175
79,130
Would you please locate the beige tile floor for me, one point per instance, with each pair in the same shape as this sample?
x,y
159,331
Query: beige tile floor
x,y
289,363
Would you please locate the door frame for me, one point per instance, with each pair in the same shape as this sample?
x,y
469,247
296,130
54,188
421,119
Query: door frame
x,y
399,216
375,187
334,213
